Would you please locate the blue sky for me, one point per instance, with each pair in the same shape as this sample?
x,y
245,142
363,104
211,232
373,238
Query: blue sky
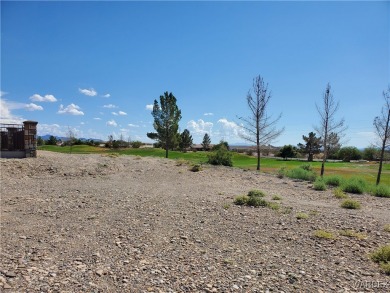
x,y
95,67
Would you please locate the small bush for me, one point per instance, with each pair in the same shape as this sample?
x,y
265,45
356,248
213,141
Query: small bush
x,y
324,234
382,256
286,210
352,233
196,168
277,197
319,184
306,167
338,193
354,185
241,200
387,228
220,157
333,180
281,173
300,173
274,206
257,201
350,204
226,206
301,216
256,192
136,144
381,191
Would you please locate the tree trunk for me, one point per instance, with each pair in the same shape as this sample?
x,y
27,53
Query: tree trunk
x,y
258,158
166,151
310,158
378,178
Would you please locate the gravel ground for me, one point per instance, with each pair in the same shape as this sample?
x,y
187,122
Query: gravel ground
x,y
93,223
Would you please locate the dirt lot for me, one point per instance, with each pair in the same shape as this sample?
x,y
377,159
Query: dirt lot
x,y
92,223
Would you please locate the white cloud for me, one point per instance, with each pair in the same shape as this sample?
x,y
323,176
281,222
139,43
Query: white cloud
x,y
33,107
97,118
122,113
46,98
5,113
58,130
230,128
200,127
88,92
132,125
82,123
112,123
106,96
110,106
2,93
208,114
149,107
71,109
114,113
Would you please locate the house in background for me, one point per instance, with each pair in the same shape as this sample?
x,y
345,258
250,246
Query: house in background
x,y
18,140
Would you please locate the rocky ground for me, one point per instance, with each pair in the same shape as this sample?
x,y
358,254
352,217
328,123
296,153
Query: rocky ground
x,y
93,223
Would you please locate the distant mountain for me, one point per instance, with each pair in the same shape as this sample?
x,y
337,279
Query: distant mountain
x,y
47,136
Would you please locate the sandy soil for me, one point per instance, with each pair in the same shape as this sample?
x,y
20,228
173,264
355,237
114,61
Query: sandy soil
x,y
93,223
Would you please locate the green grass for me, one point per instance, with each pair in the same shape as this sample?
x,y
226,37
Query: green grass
x,y
366,171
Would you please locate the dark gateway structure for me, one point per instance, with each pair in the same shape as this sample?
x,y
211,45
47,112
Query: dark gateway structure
x,y
19,140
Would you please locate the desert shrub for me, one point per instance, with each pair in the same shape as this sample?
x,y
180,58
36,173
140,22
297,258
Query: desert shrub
x,y
352,233
333,180
257,201
324,234
350,204
181,162
277,197
274,206
387,228
381,191
301,215
286,210
255,192
136,144
222,144
196,168
319,184
301,173
338,193
382,256
306,167
241,200
354,185
226,206
220,157
281,172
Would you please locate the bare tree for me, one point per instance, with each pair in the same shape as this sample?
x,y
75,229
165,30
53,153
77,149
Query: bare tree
x,y
258,127
381,124
328,122
71,138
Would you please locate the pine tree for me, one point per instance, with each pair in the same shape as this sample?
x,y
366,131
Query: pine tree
x,y
166,121
185,140
312,146
206,142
